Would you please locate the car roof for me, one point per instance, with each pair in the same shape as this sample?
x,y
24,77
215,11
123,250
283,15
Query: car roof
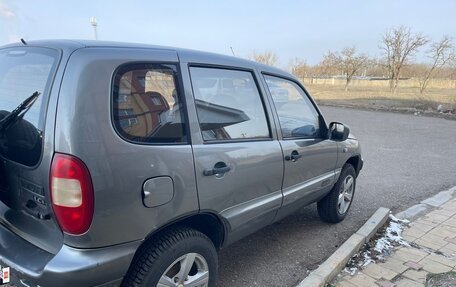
x,y
192,55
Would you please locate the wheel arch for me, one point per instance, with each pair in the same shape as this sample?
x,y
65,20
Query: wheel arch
x,y
205,222
356,162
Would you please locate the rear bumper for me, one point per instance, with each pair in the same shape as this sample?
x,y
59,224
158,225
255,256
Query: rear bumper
x,y
32,266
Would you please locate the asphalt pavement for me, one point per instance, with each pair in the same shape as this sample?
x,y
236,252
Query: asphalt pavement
x,y
407,159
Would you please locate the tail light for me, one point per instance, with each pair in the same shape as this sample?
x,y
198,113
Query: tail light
x,y
71,194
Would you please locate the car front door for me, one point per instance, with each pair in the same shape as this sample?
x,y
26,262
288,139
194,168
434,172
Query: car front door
x,y
238,161
309,156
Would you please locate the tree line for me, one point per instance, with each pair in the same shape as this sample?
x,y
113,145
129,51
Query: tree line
x,y
398,47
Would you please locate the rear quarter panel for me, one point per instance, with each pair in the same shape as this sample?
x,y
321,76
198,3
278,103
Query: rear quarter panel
x,y
118,168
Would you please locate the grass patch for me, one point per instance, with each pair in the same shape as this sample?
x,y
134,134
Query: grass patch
x,y
377,97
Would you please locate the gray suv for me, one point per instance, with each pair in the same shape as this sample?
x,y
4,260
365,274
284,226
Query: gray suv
x,y
132,165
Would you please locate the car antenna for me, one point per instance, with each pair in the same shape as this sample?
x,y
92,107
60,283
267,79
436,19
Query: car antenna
x,y
23,41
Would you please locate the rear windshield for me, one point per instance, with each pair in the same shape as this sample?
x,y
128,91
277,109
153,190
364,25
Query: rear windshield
x,y
24,71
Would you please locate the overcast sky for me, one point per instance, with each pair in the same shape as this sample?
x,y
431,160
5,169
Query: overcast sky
x,y
304,29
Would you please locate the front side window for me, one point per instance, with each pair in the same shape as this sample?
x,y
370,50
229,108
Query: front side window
x,y
228,104
146,106
297,115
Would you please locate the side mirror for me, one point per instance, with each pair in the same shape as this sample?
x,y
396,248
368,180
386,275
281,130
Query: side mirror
x,y
338,131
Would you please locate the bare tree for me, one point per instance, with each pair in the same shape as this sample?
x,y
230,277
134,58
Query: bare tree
x,y
298,67
451,71
329,65
441,53
267,57
375,68
350,63
399,45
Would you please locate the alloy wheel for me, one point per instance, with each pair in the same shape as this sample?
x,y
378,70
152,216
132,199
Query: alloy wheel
x,y
189,270
346,194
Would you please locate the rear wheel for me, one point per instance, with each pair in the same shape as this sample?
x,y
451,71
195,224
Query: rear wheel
x,y
180,257
334,207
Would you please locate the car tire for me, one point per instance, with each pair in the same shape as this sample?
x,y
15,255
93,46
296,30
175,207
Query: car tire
x,y
335,205
183,252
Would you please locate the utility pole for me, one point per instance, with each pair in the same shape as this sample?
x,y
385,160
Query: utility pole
x,y
232,51
94,23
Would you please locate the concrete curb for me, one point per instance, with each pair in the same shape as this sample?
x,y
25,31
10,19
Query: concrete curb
x,y
334,264
426,205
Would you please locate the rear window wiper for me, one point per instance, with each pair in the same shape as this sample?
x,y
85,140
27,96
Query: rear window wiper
x,y
18,112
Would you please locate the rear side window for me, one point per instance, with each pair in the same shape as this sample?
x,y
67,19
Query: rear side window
x,y
146,105
228,104
24,71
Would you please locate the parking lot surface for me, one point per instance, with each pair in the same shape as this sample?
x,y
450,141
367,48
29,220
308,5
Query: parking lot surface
x,y
407,158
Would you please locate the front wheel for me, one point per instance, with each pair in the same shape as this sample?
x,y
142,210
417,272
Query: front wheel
x,y
177,258
335,205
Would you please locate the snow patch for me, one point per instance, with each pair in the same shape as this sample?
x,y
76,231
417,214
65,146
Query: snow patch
x,y
392,236
379,246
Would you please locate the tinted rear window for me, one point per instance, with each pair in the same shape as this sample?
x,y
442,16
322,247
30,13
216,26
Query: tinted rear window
x,y
147,108
22,72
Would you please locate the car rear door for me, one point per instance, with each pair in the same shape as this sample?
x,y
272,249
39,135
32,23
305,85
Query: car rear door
x,y
25,144
238,161
309,156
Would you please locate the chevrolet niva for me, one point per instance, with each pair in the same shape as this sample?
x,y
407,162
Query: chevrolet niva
x,y
132,165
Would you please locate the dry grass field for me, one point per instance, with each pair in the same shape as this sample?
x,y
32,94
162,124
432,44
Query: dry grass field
x,y
406,98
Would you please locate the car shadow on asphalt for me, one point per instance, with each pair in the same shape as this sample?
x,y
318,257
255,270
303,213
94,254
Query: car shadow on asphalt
x,y
282,253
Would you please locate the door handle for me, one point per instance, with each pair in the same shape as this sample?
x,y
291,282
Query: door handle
x,y
294,156
219,168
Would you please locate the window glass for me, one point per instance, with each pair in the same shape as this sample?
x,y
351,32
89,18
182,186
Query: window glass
x,y
228,104
146,105
297,115
24,71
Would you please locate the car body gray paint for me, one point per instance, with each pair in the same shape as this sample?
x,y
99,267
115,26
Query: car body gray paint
x,y
252,195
